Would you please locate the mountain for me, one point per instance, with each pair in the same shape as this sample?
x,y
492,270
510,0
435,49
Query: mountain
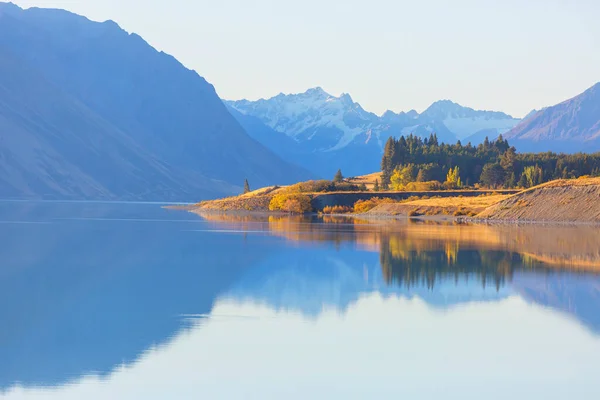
x,y
88,111
464,122
331,132
573,125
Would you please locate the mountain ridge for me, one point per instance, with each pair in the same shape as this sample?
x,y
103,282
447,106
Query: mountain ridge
x,y
147,96
573,124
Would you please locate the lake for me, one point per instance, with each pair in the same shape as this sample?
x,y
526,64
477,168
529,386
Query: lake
x,y
132,301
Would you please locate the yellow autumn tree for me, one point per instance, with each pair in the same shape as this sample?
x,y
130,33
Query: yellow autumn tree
x,y
402,176
453,180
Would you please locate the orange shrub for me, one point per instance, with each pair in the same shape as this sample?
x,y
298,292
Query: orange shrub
x,y
291,202
362,206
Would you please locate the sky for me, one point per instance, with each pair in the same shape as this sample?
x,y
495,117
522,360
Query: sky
x,y
502,55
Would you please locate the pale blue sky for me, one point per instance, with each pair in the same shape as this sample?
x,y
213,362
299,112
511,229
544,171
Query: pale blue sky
x,y
506,55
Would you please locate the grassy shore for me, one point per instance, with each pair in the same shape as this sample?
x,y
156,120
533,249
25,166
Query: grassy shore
x,y
575,200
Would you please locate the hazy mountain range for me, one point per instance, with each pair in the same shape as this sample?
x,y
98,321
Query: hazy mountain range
x,y
89,111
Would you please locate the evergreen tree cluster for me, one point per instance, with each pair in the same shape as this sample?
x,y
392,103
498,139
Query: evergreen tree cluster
x,y
492,163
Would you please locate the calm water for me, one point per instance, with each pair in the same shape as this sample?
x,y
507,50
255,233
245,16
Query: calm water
x,y
130,301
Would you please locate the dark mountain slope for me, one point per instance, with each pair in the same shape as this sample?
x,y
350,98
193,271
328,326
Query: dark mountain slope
x,y
573,125
169,113
53,146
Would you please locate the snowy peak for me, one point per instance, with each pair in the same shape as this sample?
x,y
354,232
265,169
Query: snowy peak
x,y
316,91
466,122
446,109
315,115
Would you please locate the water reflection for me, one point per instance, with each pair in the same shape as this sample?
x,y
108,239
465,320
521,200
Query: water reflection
x,y
132,301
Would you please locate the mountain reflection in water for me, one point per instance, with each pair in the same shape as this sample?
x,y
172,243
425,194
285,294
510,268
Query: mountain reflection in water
x,y
92,290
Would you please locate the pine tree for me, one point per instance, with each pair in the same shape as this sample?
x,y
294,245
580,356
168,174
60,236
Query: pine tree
x,y
492,175
387,162
338,178
523,181
507,161
246,186
376,186
486,143
511,181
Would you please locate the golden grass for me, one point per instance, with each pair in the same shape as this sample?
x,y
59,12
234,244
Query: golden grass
x,y
440,206
458,202
368,180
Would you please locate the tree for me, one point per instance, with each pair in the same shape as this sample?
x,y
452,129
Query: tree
x,y
511,180
403,176
433,140
523,181
430,172
501,144
246,186
492,175
387,161
432,160
453,178
362,187
486,143
338,178
507,161
376,187
534,175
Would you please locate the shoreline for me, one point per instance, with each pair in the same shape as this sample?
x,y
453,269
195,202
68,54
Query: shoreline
x,y
390,217
559,203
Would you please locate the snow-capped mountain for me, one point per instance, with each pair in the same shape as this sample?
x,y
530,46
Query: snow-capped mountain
x,y
329,122
335,132
464,121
